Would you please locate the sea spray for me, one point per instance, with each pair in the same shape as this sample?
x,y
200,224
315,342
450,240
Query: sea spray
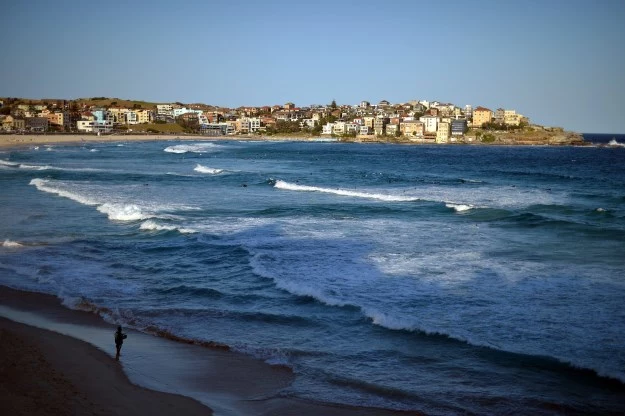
x,y
204,169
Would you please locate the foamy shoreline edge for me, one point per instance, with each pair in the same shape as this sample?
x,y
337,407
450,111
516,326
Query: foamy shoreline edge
x,y
39,304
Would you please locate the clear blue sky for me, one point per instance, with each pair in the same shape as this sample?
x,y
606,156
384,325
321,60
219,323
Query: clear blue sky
x,y
560,62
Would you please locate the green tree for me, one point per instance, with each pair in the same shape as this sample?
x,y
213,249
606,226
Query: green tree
x,y
333,104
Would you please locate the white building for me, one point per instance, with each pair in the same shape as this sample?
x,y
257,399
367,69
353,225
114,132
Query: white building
x,y
254,124
177,112
131,117
85,126
365,131
352,128
327,129
104,126
430,124
165,109
339,128
202,119
308,122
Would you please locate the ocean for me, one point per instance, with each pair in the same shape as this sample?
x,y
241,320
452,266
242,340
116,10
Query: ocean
x,y
441,279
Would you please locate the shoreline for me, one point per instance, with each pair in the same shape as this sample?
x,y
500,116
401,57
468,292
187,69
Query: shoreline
x,y
8,141
44,372
178,377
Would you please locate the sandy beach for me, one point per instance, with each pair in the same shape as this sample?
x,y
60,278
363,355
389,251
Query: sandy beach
x,y
60,361
19,140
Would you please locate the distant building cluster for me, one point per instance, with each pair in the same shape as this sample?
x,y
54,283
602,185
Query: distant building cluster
x,y
416,120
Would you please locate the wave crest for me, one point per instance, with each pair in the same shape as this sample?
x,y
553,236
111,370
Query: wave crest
x,y
44,167
192,148
204,169
280,184
459,207
11,244
152,225
124,212
614,143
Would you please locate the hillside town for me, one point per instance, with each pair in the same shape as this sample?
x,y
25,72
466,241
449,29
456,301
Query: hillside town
x,y
417,121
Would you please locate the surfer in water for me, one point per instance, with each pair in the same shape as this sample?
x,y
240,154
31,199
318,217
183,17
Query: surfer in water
x,y
119,340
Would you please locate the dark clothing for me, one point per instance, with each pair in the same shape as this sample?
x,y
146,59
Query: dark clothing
x,y
119,338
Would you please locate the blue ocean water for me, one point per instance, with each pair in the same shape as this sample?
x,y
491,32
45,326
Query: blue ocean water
x,y
443,279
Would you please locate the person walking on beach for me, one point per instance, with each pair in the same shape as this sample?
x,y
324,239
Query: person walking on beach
x,y
119,340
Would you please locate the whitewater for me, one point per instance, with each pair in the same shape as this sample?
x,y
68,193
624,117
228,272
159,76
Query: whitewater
x,y
439,279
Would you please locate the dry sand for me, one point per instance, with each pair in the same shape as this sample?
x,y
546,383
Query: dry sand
x,y
21,140
28,140
45,372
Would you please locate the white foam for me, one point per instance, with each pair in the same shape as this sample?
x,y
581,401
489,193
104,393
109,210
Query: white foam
x,y
35,167
47,185
116,207
193,148
9,164
205,169
45,167
11,244
124,212
613,142
459,207
343,192
152,225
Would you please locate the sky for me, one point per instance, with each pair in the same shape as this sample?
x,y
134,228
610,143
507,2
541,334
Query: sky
x,y
558,62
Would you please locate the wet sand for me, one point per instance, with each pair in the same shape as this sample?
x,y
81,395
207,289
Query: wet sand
x,y
59,361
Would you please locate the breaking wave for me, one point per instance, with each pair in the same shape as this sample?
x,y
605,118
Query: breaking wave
x,y
116,211
614,143
44,167
343,192
11,244
459,207
124,212
193,148
152,225
204,169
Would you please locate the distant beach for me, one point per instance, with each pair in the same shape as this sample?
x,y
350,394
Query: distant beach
x,y
17,140
21,140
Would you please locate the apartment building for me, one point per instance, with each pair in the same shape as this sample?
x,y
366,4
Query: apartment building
x,y
481,116
458,127
55,119
412,128
143,116
511,118
165,109
392,129
379,126
430,124
339,128
443,132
